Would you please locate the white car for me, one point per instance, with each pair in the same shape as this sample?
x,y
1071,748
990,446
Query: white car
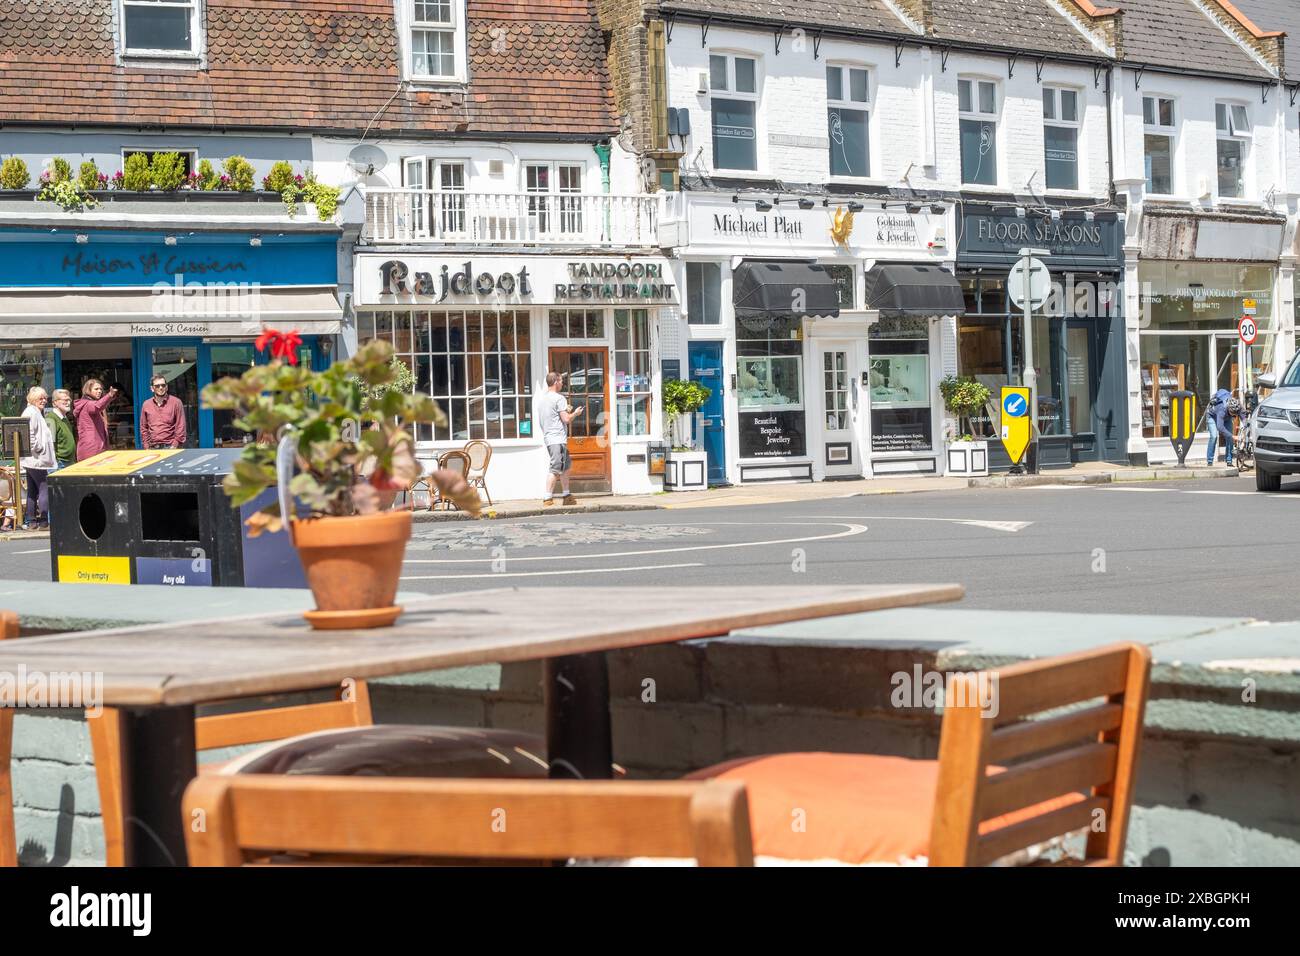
x,y
1276,427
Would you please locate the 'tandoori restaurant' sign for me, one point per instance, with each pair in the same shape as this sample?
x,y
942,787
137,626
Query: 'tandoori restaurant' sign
x,y
997,236
535,279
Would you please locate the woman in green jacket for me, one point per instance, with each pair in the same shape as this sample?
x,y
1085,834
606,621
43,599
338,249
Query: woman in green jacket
x,y
60,420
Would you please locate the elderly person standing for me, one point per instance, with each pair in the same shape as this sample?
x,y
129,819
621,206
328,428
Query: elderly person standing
x,y
59,418
40,462
91,424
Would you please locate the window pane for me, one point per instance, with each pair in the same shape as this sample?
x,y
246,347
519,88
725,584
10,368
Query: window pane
x,y
539,178
717,72
1221,117
1062,157
1148,111
988,99
1166,112
433,11
834,83
522,336
858,86
1231,171
963,96
1049,103
745,75
157,28
1069,106
432,53
848,136
1240,121
978,153
556,326
734,144
703,293
1159,164
633,415
595,326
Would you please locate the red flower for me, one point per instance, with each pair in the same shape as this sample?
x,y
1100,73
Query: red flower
x,y
283,345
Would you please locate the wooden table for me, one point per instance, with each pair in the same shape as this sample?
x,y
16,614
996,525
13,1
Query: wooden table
x,y
157,674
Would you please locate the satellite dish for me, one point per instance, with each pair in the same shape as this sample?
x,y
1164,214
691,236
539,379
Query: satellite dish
x,y
366,159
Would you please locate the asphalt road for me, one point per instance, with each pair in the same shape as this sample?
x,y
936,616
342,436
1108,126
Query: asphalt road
x,y
1210,547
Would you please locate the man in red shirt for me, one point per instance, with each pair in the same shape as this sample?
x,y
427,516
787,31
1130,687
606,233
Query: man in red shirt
x,y
162,418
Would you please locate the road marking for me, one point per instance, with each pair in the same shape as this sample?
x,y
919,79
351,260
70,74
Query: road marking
x,y
853,529
1219,492
1008,526
1121,488
538,574
37,551
1053,487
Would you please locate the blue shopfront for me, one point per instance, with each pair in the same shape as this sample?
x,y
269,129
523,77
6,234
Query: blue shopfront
x,y
123,306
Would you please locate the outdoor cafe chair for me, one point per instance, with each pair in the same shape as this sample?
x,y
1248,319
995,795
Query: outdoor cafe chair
x,y
480,456
450,461
261,819
1004,785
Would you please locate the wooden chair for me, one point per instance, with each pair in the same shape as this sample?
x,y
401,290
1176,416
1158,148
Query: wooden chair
x,y
1002,783
8,836
352,709
480,456
249,819
452,461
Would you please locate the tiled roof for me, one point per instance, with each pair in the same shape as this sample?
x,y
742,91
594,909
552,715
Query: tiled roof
x,y
1281,15
1013,24
536,67
869,16
1176,33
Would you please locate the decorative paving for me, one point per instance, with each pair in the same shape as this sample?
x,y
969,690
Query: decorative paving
x,y
449,536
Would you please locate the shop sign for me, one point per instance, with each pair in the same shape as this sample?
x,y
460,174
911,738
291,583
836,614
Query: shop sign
x,y
988,235
171,328
889,433
607,281
772,435
740,225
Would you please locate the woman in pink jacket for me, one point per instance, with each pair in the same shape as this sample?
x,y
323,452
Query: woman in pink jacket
x,y
92,426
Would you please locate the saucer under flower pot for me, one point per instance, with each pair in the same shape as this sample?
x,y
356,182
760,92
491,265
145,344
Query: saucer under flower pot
x,y
352,566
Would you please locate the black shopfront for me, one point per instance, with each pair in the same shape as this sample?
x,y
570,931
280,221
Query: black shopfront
x,y
1078,338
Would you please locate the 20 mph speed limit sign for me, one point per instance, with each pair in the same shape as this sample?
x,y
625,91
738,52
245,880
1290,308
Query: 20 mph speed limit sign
x,y
1247,329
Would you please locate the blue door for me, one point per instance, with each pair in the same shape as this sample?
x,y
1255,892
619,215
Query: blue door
x,y
705,359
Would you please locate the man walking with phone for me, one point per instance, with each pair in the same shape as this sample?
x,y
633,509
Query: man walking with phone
x,y
556,417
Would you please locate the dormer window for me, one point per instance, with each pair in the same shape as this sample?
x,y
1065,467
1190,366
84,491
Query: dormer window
x,y
437,39
160,27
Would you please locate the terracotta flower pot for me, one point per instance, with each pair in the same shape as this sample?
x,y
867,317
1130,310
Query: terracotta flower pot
x,y
352,566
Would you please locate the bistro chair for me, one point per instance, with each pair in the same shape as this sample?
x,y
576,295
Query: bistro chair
x,y
9,492
1002,785
480,456
8,835
452,461
260,819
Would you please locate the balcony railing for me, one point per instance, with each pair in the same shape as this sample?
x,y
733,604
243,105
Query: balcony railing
x,y
543,219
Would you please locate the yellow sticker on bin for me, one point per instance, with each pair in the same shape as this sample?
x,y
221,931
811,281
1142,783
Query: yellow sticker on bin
x,y
76,569
118,462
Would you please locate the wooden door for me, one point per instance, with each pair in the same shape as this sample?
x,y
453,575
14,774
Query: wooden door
x,y
586,385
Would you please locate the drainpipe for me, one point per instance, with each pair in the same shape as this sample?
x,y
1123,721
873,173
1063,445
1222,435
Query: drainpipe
x,y
1110,135
602,153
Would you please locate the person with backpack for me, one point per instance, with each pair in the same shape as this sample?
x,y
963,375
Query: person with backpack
x,y
1218,420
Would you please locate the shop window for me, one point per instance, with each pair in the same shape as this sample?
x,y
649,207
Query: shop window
x,y
899,384
1232,126
735,137
20,370
977,104
848,91
160,27
703,293
769,389
477,364
1061,137
1158,126
769,381
437,39
632,370
576,323
845,284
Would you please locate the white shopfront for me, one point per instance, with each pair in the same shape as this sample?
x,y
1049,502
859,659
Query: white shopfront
x,y
810,395
480,333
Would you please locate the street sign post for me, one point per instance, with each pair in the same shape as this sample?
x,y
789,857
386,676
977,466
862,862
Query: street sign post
x,y
1182,423
1028,284
1015,423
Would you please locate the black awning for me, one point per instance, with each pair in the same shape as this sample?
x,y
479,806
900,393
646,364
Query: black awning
x,y
766,291
913,289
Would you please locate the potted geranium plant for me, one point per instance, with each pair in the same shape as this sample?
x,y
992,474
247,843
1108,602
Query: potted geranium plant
x,y
686,467
964,397
353,451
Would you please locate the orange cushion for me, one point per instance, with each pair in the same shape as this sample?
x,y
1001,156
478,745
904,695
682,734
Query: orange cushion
x,y
858,808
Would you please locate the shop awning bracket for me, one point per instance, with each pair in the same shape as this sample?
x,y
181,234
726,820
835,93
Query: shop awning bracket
x,y
898,54
944,51
776,37
1137,76
1263,89
1293,90
1011,65
1038,68
817,44
670,20
1096,76
704,31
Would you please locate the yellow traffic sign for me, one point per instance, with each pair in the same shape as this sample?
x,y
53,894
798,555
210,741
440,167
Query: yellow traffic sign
x,y
1015,421
1182,422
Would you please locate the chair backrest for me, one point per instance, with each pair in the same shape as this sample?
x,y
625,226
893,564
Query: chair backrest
x,y
1058,774
352,709
8,836
480,454
454,461
247,817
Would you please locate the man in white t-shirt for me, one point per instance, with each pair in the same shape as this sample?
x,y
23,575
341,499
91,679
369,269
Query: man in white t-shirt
x,y
556,417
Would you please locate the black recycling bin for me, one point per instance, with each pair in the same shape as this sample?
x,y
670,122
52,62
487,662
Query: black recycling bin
x,y
160,517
